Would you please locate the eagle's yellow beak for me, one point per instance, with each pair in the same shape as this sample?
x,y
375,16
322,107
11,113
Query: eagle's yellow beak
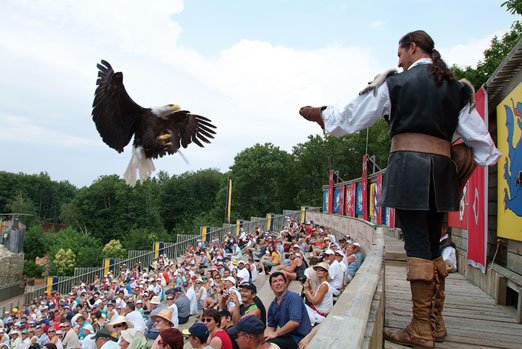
x,y
174,107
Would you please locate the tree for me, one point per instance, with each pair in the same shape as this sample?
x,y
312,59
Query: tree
x,y
114,249
35,243
64,261
513,6
32,270
23,205
262,181
493,56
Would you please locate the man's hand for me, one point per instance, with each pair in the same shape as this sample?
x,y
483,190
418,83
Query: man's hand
x,y
270,333
313,114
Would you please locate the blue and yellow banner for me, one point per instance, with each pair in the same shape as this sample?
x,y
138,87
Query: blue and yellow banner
x,y
270,222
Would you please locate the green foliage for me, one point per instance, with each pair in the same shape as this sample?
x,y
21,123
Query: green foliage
x,y
513,6
87,250
35,243
262,181
188,195
144,238
24,206
64,261
114,249
44,195
32,270
493,57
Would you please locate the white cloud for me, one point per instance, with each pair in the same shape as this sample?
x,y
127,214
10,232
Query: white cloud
x,y
377,23
468,53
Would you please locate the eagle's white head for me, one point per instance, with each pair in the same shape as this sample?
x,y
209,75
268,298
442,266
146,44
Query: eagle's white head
x,y
164,111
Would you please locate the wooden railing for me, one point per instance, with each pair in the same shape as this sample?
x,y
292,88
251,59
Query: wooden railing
x,y
358,316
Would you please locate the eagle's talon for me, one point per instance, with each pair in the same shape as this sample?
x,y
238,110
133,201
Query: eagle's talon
x,y
164,136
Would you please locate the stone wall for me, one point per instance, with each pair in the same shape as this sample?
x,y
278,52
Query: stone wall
x,y
11,266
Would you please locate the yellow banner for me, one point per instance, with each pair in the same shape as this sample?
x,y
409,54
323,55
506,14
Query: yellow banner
x,y
238,227
204,234
372,203
106,266
49,285
303,213
509,132
156,249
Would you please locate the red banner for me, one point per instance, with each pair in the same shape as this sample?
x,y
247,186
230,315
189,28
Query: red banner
x,y
341,199
350,200
365,187
378,189
330,192
476,201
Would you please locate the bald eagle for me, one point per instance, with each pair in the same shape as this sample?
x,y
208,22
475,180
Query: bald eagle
x,y
157,131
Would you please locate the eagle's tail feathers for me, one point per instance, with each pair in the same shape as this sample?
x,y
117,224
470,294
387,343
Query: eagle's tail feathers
x,y
138,164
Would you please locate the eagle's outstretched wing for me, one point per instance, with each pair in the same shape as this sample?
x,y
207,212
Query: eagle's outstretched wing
x,y
113,111
192,128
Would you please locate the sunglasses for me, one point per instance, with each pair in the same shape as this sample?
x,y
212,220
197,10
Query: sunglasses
x,y
51,331
117,326
207,319
170,299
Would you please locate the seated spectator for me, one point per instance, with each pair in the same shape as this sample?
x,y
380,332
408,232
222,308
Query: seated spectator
x,y
183,305
321,301
198,335
219,339
152,331
250,334
134,317
335,272
163,321
288,320
105,340
132,339
354,258
269,260
294,271
171,338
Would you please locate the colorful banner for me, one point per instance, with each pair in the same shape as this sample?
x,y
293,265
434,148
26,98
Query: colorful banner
x,y
52,284
365,187
378,190
337,200
389,217
358,199
509,134
330,191
342,192
460,219
350,199
372,201
325,200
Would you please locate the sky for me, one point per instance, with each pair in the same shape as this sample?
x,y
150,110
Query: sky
x,y
247,65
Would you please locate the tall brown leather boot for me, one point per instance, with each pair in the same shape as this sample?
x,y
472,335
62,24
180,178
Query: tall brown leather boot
x,y
438,299
419,333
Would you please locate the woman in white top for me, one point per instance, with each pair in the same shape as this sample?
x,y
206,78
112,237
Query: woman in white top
x,y
321,301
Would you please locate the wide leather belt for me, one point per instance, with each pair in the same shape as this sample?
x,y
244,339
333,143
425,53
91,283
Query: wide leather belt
x,y
420,142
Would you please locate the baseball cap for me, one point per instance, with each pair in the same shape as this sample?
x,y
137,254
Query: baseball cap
x,y
329,251
250,286
177,289
198,330
357,244
249,324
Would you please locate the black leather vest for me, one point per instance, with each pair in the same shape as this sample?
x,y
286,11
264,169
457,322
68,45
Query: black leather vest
x,y
419,105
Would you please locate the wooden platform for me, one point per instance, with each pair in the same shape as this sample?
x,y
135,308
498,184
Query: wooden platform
x,y
472,317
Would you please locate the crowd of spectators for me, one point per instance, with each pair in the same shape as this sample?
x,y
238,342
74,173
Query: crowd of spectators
x,y
213,282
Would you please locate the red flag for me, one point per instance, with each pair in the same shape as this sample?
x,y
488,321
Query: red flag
x,y
365,187
476,201
341,199
378,189
330,192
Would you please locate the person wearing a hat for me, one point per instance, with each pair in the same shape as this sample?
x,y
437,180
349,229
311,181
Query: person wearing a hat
x,y
248,307
119,324
230,287
335,272
152,331
105,339
171,338
354,258
320,301
242,273
132,339
163,321
250,334
197,336
341,258
16,339
88,342
26,339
